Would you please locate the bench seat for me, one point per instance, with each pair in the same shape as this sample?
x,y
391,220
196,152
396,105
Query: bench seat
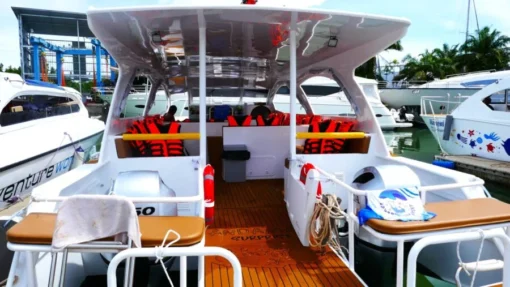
x,y
450,215
37,228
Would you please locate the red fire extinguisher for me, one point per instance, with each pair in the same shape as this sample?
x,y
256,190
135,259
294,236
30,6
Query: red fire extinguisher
x,y
209,194
302,177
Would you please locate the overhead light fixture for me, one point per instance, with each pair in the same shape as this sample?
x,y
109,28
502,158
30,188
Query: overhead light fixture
x,y
156,37
333,41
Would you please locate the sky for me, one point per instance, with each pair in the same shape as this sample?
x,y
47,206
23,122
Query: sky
x,y
433,22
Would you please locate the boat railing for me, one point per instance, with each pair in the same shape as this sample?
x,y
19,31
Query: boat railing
x,y
175,251
353,220
471,73
448,105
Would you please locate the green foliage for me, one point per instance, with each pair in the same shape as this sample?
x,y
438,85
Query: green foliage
x,y
486,49
10,69
368,69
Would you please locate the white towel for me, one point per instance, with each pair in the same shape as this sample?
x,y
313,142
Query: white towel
x,y
84,218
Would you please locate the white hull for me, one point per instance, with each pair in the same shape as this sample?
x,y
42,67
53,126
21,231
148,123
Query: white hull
x,y
396,98
20,179
472,137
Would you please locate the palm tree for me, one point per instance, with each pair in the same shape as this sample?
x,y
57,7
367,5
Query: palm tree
x,y
369,69
448,60
485,50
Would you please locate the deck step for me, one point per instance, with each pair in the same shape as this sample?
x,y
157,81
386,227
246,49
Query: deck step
x,y
485,265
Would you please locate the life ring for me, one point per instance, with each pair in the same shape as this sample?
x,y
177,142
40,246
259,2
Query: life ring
x,y
302,177
209,194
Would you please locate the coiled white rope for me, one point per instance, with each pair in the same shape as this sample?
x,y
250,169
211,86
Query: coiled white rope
x,y
161,248
462,265
323,223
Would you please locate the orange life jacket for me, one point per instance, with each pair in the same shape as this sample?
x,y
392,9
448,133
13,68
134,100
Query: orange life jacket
x,y
165,147
308,120
274,119
139,127
323,146
244,121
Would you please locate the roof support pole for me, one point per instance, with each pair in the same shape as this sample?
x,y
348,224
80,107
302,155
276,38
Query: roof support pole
x,y
59,67
202,87
35,62
97,46
292,82
112,72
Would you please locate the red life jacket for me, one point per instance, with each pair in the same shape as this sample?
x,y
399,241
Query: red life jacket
x,y
273,120
139,127
308,120
323,146
237,121
165,147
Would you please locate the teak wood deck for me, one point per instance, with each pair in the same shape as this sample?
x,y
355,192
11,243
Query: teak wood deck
x,y
251,221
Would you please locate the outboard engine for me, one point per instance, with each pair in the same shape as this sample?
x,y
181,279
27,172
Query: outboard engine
x,y
145,183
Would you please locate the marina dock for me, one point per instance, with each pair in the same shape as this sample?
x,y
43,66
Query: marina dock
x,y
487,169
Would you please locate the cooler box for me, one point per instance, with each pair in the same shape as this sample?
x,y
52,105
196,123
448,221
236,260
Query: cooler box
x,y
234,162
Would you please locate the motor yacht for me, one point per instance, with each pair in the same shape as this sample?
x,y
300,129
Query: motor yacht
x,y
258,178
478,126
42,127
408,95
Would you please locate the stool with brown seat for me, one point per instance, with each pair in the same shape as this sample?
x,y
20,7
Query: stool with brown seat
x,y
35,234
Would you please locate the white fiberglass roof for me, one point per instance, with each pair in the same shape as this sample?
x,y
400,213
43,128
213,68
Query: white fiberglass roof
x,y
247,45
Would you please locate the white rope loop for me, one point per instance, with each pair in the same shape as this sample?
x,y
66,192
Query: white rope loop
x,y
322,231
462,265
161,248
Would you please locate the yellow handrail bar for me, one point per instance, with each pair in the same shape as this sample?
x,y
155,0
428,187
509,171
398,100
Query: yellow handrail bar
x,y
339,135
149,137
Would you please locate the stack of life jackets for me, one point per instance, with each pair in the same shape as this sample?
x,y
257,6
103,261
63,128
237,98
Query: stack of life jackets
x,y
324,146
274,119
153,125
237,121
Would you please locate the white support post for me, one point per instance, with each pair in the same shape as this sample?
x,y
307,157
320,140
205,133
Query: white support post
x,y
350,210
12,272
201,271
400,263
183,268
202,87
30,265
292,83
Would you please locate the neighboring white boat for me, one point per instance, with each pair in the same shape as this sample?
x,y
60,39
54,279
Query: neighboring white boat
x,y
268,178
327,99
449,89
472,128
42,127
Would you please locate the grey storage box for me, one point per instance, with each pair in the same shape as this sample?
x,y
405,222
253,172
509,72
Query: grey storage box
x,y
234,162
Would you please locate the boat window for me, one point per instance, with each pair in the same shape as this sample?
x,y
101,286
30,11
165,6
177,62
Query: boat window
x,y
32,107
498,98
182,110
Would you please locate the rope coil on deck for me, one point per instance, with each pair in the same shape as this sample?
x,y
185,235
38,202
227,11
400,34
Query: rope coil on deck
x,y
328,210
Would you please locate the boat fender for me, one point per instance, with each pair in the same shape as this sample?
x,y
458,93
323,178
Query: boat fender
x,y
302,177
444,163
447,127
209,194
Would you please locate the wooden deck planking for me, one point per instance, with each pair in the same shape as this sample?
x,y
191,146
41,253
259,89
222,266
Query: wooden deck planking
x,y
251,221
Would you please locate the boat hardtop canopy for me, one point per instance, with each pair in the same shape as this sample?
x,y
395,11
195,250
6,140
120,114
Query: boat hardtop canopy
x,y
242,47
247,46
